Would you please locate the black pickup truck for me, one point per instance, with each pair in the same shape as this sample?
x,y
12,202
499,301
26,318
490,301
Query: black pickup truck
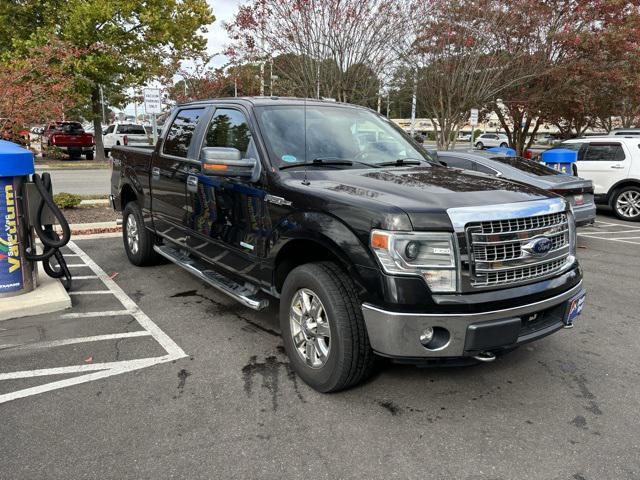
x,y
371,246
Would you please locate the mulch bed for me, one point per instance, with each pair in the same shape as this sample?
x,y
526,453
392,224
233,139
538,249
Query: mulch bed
x,y
90,214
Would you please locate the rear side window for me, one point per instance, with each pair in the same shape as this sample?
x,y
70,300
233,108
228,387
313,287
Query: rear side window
x,y
458,163
131,130
603,152
527,166
181,131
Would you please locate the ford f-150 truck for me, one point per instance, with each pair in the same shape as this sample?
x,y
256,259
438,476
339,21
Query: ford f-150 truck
x,y
70,138
371,246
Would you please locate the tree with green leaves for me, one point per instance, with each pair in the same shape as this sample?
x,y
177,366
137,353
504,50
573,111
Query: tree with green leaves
x,y
124,43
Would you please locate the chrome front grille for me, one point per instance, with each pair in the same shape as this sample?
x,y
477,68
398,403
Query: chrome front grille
x,y
502,254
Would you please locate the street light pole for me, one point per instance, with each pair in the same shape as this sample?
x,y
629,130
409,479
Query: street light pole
x,y
104,118
413,102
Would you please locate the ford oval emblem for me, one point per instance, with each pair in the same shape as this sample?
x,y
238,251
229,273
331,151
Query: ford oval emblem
x,y
539,246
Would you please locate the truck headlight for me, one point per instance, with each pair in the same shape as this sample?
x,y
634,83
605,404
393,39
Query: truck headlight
x,y
430,255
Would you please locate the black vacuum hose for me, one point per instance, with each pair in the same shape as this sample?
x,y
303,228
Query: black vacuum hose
x,y
51,242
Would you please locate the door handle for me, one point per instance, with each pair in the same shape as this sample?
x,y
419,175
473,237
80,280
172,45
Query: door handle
x,y
155,172
192,183
617,167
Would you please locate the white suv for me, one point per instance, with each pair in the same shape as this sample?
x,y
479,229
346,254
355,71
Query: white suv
x,y
491,140
115,135
613,165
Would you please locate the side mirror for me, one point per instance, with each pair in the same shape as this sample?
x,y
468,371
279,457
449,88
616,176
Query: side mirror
x,y
228,162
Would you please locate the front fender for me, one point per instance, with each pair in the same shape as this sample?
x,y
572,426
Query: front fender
x,y
325,230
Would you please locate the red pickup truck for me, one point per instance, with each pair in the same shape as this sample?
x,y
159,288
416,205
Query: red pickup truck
x,y
69,137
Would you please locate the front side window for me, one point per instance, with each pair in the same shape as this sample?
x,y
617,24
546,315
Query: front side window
x,y
334,133
603,152
109,129
181,131
229,128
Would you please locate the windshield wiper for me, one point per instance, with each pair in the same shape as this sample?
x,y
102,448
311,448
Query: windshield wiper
x,y
402,161
328,161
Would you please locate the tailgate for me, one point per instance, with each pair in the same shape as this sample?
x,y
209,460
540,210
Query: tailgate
x,y
137,139
71,140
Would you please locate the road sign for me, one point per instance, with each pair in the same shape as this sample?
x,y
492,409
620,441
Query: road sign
x,y
152,101
473,120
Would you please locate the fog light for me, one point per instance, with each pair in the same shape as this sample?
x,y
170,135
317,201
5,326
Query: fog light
x,y
426,336
412,250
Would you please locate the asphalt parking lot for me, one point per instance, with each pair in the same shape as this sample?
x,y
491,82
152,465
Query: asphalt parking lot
x,y
153,374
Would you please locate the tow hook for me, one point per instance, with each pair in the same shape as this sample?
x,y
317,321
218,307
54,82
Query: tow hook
x,y
485,357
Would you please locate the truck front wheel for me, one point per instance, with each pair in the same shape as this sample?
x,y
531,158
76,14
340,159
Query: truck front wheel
x,y
323,329
138,240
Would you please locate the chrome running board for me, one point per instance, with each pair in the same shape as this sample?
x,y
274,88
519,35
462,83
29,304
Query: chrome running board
x,y
247,294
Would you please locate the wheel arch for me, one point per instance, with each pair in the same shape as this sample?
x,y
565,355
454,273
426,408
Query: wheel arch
x,y
627,182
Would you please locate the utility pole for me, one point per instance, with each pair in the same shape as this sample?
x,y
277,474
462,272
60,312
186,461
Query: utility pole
x,y
271,77
379,102
388,104
413,103
135,105
318,80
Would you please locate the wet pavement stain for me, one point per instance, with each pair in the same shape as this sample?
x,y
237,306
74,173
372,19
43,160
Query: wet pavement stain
x,y
391,407
579,422
230,309
182,380
269,370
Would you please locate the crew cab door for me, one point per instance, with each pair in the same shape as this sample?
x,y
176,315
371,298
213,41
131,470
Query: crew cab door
x,y
170,166
604,163
227,216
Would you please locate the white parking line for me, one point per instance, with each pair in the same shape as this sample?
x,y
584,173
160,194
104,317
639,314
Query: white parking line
x,y
99,370
607,233
91,292
108,313
72,341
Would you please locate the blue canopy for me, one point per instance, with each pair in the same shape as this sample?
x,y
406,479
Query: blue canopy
x,y
15,161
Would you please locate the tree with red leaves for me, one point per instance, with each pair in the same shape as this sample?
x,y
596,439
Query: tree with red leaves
x,y
37,87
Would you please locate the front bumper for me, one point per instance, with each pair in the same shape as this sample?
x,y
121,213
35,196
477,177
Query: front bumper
x,y
397,335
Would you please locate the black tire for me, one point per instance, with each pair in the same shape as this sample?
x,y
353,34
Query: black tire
x,y
144,254
621,200
106,153
89,155
350,359
503,145
479,145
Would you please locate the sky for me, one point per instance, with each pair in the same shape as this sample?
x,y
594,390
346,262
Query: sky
x,y
216,36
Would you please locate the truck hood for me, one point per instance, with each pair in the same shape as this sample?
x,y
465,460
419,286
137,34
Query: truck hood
x,y
423,193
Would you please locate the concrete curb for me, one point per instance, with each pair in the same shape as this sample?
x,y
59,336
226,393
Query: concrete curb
x,y
95,201
49,296
97,228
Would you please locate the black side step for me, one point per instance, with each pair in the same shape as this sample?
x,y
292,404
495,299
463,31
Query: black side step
x,y
246,294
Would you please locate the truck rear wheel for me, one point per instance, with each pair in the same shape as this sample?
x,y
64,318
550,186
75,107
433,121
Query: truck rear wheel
x,y
138,240
323,329
89,155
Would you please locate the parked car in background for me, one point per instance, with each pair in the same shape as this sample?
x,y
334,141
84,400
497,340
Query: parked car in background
x,y
613,165
548,139
488,140
465,137
624,132
68,137
133,134
578,191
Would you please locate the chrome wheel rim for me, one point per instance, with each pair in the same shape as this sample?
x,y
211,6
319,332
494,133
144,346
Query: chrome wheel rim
x,y
310,330
628,204
133,239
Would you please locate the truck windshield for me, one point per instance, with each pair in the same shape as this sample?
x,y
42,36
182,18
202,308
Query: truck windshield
x,y
335,133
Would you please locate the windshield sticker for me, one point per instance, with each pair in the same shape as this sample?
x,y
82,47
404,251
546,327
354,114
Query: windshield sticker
x,y
289,158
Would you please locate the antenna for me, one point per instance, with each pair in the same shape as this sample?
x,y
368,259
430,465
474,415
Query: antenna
x,y
305,180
